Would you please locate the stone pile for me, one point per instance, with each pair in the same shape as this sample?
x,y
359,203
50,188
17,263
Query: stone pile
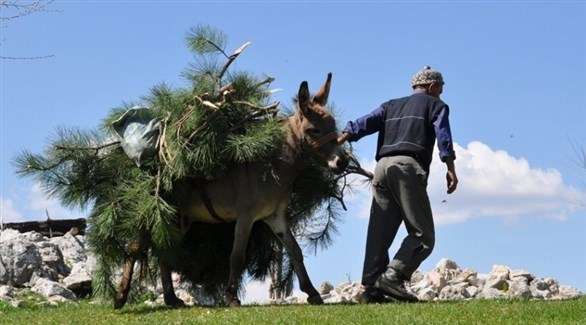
x,y
60,269
56,268
447,281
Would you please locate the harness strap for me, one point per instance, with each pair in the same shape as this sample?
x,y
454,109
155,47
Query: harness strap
x,y
316,144
208,204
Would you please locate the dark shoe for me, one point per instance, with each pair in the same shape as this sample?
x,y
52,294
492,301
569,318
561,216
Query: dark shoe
x,y
392,285
372,295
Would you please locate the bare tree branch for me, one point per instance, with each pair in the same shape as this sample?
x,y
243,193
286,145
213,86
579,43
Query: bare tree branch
x,y
22,9
26,58
231,59
15,9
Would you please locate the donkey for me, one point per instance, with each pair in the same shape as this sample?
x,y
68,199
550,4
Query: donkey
x,y
243,195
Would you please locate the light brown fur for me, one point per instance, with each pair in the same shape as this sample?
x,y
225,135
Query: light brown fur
x,y
247,194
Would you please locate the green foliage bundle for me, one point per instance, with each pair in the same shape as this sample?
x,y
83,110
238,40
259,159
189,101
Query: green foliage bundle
x,y
222,119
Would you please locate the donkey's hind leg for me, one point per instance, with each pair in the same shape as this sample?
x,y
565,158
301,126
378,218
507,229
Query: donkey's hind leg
x,y
278,224
125,282
135,249
168,291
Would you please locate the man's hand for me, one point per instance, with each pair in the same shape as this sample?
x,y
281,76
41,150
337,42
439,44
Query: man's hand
x,y
452,180
451,177
343,138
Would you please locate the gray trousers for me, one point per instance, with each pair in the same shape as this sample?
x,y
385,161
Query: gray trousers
x,y
399,195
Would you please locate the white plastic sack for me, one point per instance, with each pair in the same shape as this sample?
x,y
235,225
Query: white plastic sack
x,y
138,133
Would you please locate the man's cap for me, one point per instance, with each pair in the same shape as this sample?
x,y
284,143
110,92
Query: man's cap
x,y
426,76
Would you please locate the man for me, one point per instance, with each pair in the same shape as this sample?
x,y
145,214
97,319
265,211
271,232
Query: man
x,y
407,129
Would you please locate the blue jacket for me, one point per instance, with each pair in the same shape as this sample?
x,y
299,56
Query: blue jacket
x,y
408,126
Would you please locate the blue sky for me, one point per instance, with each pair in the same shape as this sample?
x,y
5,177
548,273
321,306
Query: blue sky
x,y
514,81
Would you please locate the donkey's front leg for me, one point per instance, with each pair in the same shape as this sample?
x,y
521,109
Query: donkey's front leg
x,y
237,259
278,225
168,291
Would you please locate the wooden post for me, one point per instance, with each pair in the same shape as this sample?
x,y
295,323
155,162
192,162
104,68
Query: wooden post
x,y
49,223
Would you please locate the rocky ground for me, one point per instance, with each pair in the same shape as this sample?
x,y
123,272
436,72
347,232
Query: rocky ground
x,y
447,281
59,269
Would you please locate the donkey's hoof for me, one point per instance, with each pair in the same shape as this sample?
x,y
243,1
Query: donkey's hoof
x,y
119,303
231,301
315,300
174,302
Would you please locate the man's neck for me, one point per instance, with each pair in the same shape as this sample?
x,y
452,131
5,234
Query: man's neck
x,y
420,91
423,91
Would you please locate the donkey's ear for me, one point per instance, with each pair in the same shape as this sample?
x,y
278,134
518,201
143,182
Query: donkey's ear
x,y
322,95
303,98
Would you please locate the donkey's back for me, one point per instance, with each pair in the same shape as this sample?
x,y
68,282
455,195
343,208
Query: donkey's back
x,y
248,191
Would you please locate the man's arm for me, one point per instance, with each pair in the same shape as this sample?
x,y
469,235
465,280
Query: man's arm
x,y
364,126
445,145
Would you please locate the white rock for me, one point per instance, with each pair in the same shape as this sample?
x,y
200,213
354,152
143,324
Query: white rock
x,y
48,288
325,288
72,248
52,257
472,291
500,271
491,293
467,275
6,292
454,292
417,287
521,274
79,280
497,283
292,300
552,285
498,277
436,280
55,300
90,262
426,294
8,235
540,289
32,236
151,303
15,303
19,259
186,297
334,299
567,292
519,289
446,264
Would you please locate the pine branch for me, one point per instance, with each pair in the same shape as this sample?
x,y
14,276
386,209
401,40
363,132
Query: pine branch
x,y
96,149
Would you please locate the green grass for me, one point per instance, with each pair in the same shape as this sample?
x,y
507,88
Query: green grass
x,y
467,312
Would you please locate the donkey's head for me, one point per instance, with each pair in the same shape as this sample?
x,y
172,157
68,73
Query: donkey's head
x,y
317,126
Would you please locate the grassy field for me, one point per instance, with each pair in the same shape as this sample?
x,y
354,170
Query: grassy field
x,y
468,312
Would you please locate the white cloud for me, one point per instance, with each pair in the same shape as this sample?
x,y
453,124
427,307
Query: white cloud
x,y
39,202
8,212
34,207
494,184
